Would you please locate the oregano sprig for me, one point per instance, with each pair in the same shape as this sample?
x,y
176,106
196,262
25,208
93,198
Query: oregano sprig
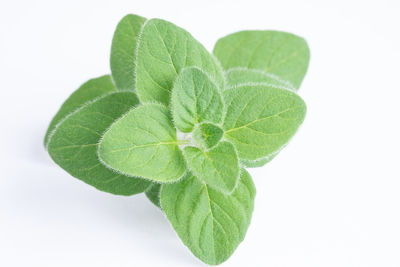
x,y
180,124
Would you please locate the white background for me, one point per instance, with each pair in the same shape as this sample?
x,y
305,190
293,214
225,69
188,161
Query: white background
x,y
331,198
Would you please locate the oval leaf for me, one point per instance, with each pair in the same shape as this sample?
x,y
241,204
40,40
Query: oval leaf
x,y
243,76
260,119
164,49
283,54
123,51
143,143
218,167
195,98
86,92
73,144
210,223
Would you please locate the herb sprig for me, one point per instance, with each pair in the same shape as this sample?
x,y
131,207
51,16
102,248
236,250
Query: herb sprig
x,y
181,124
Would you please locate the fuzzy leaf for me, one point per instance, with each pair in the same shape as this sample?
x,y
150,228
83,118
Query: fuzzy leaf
x,y
73,143
259,162
261,119
195,98
123,51
283,54
143,143
210,223
218,167
207,135
164,49
153,194
243,76
86,92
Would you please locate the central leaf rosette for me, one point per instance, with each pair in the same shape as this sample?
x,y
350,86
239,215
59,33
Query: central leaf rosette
x,y
144,141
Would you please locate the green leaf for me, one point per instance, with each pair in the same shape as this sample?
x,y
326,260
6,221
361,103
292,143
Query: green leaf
x,y
260,119
143,143
195,98
242,76
210,223
283,54
163,50
153,194
260,162
86,92
123,51
73,143
207,135
218,167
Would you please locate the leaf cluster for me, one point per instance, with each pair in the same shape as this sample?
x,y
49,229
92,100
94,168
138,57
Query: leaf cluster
x,y
181,124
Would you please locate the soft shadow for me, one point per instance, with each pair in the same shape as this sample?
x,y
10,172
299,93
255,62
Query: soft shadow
x,y
46,194
35,149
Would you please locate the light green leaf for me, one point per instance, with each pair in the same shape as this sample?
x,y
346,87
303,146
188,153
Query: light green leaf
x,y
86,92
243,76
153,194
210,223
73,143
123,51
218,167
207,135
143,143
195,98
260,162
283,54
260,119
163,50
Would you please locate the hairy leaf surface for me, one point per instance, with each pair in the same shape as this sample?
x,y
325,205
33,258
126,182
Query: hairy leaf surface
x,y
217,167
283,54
86,92
259,162
211,224
163,50
195,98
143,143
123,51
242,76
207,135
260,119
73,144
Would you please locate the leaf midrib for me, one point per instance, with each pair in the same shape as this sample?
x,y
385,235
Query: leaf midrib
x,y
261,119
179,142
